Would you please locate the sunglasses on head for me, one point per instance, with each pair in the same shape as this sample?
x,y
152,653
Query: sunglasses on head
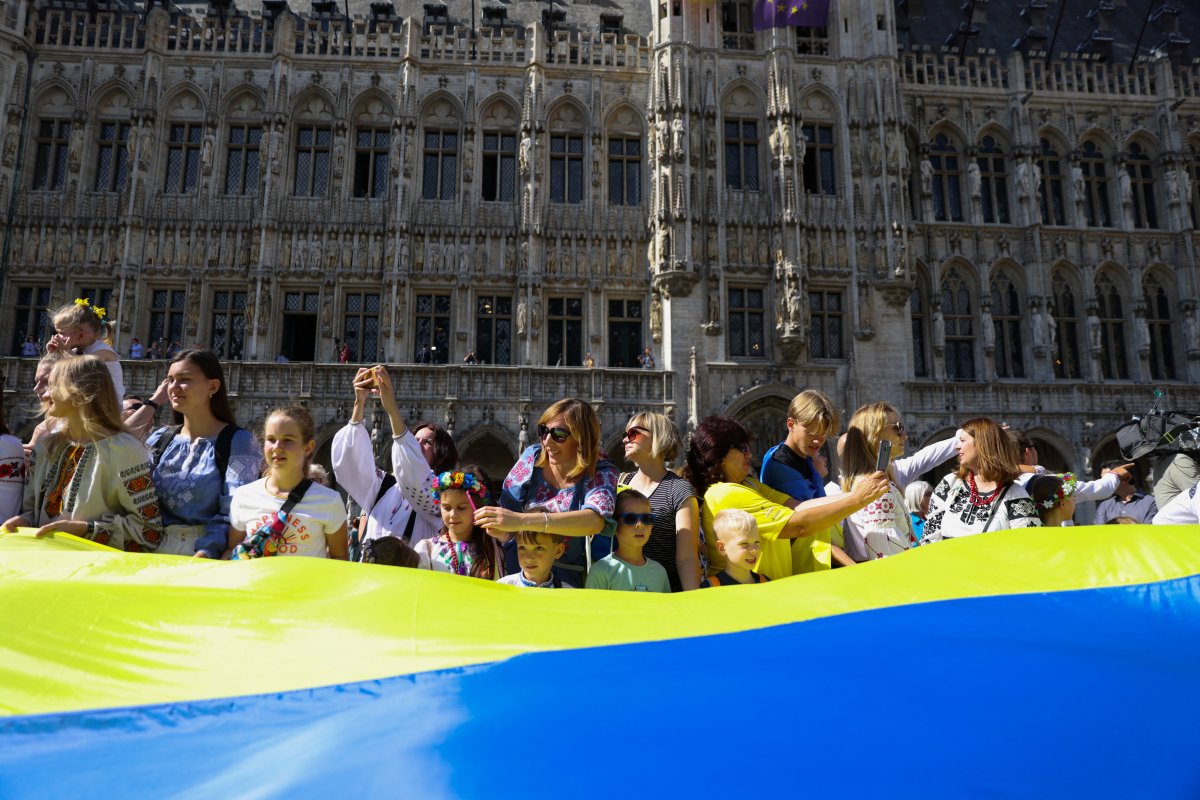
x,y
634,519
635,432
559,435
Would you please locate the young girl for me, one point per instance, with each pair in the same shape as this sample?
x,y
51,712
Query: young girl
x,y
80,328
316,522
202,460
87,475
462,547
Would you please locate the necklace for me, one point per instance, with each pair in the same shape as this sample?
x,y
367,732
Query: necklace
x,y
975,497
454,565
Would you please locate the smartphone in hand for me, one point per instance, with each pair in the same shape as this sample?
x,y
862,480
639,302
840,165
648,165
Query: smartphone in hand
x,y
885,456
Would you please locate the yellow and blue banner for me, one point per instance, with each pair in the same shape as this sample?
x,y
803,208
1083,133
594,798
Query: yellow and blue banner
x,y
1027,663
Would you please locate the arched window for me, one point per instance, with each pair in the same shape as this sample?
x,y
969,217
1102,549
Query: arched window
x,y
959,320
916,304
1006,318
741,153
625,149
1141,174
1095,186
185,137
500,141
1158,320
993,181
1066,318
947,197
314,145
567,153
243,148
439,157
372,148
1113,362
112,144
1053,209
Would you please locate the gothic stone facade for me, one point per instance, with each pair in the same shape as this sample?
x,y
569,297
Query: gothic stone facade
x,y
765,211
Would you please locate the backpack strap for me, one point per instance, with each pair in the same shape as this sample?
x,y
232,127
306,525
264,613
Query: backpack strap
x,y
761,578
408,528
389,480
713,580
295,496
164,442
223,448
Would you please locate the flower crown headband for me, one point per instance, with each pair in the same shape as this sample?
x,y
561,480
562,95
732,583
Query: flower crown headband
x,y
1069,484
463,481
97,310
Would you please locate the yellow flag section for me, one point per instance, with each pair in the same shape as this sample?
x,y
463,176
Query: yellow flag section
x,y
87,627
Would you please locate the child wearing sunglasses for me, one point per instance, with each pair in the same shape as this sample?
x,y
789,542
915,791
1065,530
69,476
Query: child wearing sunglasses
x,y
627,569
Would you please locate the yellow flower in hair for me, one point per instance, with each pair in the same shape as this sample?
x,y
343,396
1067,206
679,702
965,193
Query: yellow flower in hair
x,y
99,311
458,477
82,301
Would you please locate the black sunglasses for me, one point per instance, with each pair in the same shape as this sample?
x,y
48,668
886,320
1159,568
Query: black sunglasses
x,y
634,519
559,435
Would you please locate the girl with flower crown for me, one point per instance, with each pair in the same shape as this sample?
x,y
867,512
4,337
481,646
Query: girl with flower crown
x,y
82,329
462,547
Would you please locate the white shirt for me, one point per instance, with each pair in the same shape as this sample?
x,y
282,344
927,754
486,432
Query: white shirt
x,y
1085,491
321,513
1184,509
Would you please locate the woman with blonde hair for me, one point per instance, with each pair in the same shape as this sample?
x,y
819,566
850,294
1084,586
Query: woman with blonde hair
x,y
88,476
651,441
983,494
566,475
883,527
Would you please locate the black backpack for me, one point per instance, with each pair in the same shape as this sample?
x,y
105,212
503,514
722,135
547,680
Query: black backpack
x,y
1165,433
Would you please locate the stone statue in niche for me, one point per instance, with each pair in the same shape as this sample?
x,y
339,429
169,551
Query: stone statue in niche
x,y
926,176
1094,333
988,328
939,330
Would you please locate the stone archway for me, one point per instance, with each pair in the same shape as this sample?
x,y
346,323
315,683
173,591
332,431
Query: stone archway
x,y
489,451
766,419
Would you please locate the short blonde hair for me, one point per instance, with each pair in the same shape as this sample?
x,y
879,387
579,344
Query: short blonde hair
x,y
733,522
665,443
814,410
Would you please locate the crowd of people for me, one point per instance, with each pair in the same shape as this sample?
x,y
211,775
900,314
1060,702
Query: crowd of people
x,y
564,515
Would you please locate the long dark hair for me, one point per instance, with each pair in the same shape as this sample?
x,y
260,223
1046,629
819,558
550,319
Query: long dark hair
x,y
486,563
445,452
210,366
712,440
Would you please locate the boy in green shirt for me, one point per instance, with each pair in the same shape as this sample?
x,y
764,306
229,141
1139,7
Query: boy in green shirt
x,y
627,569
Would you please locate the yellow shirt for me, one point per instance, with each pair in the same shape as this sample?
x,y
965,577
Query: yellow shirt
x,y
780,557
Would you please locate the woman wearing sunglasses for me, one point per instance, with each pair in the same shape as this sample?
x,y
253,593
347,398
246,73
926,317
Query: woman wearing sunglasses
x,y
795,535
571,481
650,442
883,527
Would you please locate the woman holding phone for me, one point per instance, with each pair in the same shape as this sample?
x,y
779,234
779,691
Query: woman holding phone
x,y
875,442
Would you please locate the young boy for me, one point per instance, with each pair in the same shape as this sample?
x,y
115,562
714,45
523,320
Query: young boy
x,y
739,541
627,569
537,552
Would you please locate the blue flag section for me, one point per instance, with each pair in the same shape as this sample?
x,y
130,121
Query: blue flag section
x,y
1089,693
782,13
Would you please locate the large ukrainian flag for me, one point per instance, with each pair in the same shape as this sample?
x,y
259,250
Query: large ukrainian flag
x,y
1028,663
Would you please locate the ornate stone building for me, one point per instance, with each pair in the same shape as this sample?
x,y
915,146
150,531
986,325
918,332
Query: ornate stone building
x,y
959,213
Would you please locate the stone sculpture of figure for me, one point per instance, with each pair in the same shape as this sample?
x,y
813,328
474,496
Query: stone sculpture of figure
x,y
327,311
1185,185
1077,183
75,152
786,142
1126,184
1172,186
677,138
522,316
1191,331
276,151
926,176
866,307
1051,329
795,303
1143,332
206,153
611,260
1095,343
661,143
714,304
1023,181
248,312
526,155
975,180
264,311
939,329
656,323
1036,171
988,328
1039,329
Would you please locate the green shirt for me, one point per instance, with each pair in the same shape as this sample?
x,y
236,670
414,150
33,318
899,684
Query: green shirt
x,y
611,572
